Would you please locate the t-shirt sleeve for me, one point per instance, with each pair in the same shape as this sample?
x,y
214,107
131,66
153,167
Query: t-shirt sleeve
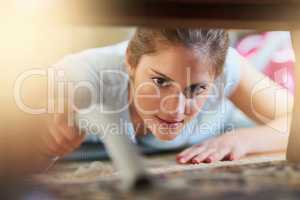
x,y
232,71
80,78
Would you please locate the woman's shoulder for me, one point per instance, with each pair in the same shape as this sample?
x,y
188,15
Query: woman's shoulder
x,y
231,73
95,59
110,54
101,69
105,64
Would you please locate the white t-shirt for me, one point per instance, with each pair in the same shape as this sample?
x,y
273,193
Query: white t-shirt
x,y
103,71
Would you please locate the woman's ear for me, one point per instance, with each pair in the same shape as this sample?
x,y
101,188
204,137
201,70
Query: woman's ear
x,y
130,68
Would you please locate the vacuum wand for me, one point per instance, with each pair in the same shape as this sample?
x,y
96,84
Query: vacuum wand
x,y
123,152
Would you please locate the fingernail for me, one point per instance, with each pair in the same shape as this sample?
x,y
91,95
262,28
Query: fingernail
x,y
182,160
208,160
178,159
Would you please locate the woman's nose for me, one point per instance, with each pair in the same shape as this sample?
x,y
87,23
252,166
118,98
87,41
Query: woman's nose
x,y
189,107
174,104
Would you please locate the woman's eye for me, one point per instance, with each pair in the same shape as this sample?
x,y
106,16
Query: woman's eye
x,y
161,82
195,91
199,90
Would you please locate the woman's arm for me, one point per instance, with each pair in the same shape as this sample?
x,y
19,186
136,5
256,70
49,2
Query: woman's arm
x,y
259,97
266,103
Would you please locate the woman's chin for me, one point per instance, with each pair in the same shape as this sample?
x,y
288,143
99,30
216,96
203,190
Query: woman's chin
x,y
166,135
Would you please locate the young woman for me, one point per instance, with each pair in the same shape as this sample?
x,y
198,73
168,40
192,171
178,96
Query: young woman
x,y
172,88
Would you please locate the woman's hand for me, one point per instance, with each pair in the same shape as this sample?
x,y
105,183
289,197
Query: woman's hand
x,y
61,138
225,147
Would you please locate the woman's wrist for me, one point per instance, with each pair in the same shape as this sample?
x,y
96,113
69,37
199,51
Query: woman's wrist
x,y
245,140
259,139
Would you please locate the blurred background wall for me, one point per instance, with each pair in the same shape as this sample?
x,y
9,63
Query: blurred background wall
x,y
25,46
29,45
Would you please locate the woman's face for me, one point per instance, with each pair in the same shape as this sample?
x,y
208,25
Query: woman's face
x,y
169,89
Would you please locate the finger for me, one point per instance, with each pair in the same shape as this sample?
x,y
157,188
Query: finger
x,y
192,153
227,157
219,154
180,161
55,150
74,142
180,157
77,142
52,148
203,156
70,133
186,151
55,139
235,155
181,154
60,140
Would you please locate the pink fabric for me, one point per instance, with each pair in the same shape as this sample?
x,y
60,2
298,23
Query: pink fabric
x,y
281,64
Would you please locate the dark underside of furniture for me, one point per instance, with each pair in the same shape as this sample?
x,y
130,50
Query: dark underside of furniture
x,y
276,14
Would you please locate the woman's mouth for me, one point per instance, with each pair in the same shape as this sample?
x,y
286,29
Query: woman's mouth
x,y
170,123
